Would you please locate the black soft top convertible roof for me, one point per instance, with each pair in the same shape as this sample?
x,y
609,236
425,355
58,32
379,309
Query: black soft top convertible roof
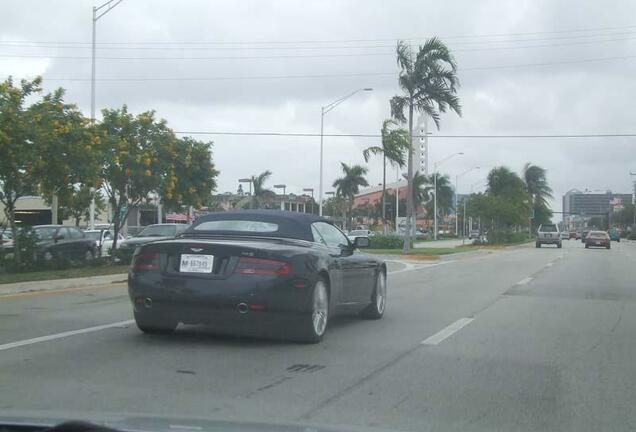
x,y
290,224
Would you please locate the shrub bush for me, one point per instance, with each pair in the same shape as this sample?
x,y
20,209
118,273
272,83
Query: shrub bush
x,y
506,237
390,241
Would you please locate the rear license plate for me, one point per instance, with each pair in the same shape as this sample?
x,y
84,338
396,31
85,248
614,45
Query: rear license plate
x,y
597,243
196,263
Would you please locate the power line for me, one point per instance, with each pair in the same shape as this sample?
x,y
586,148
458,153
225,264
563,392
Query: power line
x,y
336,75
312,135
328,41
593,39
290,56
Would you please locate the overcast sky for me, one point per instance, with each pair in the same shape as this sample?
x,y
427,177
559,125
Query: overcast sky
x,y
526,67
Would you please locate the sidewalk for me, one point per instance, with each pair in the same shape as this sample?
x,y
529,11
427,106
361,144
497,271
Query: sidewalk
x,y
56,284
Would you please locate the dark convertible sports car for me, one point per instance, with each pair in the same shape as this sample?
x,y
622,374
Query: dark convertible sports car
x,y
258,272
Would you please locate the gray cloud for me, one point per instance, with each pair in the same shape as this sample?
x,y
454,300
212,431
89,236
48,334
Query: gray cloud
x,y
560,97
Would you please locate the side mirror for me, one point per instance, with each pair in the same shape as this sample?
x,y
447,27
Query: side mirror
x,y
361,242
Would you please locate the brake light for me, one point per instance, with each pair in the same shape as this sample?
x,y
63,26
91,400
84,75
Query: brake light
x,y
259,266
146,261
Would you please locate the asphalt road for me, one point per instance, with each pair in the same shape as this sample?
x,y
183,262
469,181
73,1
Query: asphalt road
x,y
523,339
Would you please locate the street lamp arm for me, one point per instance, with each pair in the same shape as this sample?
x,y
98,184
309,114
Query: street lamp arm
x,y
337,102
109,5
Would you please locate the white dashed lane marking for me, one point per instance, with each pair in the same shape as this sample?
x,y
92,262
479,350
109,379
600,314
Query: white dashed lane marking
x,y
447,332
524,281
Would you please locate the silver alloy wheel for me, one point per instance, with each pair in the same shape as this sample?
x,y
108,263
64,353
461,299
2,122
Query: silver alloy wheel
x,y
380,293
320,309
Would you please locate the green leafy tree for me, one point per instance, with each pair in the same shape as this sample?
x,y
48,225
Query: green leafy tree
x,y
137,158
538,188
191,178
395,145
18,151
348,186
45,148
429,85
75,204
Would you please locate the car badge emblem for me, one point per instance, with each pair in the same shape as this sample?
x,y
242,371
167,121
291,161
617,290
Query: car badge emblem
x,y
196,249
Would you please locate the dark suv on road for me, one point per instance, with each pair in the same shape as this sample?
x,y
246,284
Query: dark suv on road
x,y
548,234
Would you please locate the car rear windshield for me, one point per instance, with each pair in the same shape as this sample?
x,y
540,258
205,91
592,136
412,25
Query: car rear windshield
x,y
158,231
238,225
548,228
45,233
597,234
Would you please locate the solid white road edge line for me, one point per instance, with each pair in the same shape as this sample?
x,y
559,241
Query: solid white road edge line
x,y
447,332
524,281
63,335
549,264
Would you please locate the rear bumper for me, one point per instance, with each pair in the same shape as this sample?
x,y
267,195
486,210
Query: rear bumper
x,y
597,244
239,304
549,240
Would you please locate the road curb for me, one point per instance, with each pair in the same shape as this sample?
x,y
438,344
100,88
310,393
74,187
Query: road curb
x,y
56,284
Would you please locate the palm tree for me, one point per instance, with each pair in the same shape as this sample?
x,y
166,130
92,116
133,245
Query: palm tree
x,y
349,184
260,195
538,188
429,83
444,196
422,188
506,183
395,143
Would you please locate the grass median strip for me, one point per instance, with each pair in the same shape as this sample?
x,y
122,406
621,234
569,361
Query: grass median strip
x,y
6,278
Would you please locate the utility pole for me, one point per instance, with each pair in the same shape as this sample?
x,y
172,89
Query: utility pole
x,y
633,174
110,4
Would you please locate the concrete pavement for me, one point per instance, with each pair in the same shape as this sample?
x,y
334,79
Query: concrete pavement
x,y
525,339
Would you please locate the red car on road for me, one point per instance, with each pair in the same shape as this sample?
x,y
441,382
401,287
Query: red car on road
x,y
597,239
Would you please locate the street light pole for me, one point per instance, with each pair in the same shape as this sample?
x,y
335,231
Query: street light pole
x,y
435,166
109,5
456,191
282,202
324,110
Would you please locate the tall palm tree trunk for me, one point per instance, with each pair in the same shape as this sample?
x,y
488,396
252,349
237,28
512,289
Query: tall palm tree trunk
x,y
384,193
409,187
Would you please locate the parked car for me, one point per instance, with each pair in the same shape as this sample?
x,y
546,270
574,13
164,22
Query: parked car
x,y
104,240
359,233
149,234
614,234
264,273
548,234
57,241
473,234
565,235
597,239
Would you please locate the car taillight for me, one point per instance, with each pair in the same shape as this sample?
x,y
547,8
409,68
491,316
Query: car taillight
x,y
146,261
259,266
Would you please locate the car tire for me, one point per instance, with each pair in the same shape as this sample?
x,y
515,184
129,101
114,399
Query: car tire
x,y
314,324
587,246
89,255
154,326
378,299
537,245
559,245
608,246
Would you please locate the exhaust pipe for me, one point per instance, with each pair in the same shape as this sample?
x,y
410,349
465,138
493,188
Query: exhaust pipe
x,y
242,308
